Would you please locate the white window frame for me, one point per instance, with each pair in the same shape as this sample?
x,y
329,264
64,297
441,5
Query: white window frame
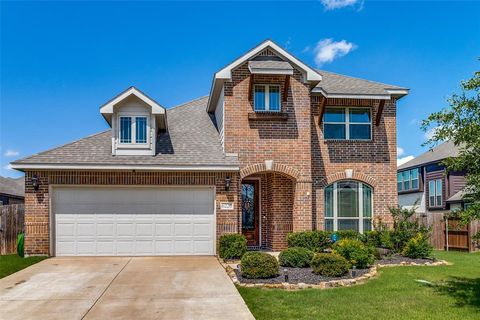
x,y
347,123
267,97
360,217
436,193
133,128
402,181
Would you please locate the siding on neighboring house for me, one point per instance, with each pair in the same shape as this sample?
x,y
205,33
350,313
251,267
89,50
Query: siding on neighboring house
x,y
407,200
456,182
219,117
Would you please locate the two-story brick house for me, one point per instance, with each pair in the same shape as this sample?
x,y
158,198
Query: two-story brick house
x,y
276,147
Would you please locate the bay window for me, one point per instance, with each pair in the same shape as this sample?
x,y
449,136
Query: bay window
x,y
133,129
267,98
348,206
347,123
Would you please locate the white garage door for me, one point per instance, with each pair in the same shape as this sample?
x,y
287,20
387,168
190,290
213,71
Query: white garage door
x,y
127,221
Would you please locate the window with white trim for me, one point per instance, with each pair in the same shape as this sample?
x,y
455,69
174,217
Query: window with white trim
x,y
348,206
133,129
407,180
347,123
435,193
267,98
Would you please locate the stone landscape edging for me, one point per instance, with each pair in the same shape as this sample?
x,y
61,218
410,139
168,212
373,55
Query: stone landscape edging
x,y
372,272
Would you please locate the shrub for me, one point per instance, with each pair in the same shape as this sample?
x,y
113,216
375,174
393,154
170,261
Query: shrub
x,y
378,239
349,234
355,252
232,246
256,265
315,241
295,257
329,264
406,227
418,247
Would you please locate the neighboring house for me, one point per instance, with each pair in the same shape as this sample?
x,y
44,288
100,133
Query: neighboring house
x,y
12,191
424,181
276,147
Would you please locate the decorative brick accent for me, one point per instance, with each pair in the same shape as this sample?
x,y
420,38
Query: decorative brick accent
x,y
37,203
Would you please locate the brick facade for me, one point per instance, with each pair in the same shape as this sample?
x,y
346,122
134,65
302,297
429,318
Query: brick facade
x,y
37,203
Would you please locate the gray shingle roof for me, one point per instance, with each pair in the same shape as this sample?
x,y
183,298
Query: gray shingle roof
x,y
14,187
457,197
440,152
333,83
269,64
192,140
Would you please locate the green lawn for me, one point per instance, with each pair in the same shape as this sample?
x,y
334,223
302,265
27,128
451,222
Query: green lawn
x,y
394,294
12,263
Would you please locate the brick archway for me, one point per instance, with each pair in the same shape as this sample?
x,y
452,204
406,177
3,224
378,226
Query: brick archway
x,y
290,172
342,175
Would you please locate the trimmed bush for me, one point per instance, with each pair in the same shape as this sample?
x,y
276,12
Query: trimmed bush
x,y
315,241
295,257
418,247
232,246
329,264
349,234
379,239
255,265
355,252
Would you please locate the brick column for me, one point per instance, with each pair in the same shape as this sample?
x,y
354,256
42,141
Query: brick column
x,y
37,239
302,208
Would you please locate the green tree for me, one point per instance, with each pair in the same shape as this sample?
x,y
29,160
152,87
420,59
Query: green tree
x,y
460,123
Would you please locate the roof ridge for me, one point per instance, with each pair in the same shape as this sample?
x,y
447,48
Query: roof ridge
x,y
390,86
61,146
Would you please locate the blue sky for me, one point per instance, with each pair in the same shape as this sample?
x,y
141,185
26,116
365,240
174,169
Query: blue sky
x,y
60,61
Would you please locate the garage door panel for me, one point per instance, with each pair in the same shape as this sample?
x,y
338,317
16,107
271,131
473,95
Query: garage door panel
x,y
133,221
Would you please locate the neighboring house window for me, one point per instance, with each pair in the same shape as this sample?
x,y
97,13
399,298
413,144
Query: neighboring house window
x,y
347,123
348,206
133,129
435,193
407,180
267,98
466,205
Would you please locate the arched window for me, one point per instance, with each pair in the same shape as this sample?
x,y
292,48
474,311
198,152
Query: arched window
x,y
348,206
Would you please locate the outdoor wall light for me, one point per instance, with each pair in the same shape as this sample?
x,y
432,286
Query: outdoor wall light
x,y
35,183
227,183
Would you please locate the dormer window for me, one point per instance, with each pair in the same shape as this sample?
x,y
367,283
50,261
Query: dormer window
x,y
133,129
267,98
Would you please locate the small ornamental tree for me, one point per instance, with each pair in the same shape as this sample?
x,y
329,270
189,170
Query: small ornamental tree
x,y
460,123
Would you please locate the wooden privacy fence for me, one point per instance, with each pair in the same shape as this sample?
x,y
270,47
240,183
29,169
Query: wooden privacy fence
x,y
12,219
459,236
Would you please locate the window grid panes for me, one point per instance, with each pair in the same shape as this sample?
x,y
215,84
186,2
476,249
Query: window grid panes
x,y
407,180
348,206
267,98
141,130
125,130
347,123
435,193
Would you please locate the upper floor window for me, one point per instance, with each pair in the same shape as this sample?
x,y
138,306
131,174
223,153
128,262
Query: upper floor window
x,y
133,129
407,180
267,97
435,193
345,123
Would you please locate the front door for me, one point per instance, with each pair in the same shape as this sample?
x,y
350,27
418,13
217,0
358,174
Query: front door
x,y
250,212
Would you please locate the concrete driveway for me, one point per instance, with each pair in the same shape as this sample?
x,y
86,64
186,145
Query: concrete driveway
x,y
122,288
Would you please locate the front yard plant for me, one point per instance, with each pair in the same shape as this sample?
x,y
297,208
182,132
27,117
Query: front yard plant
x,y
315,241
232,246
258,265
330,265
296,257
418,247
355,252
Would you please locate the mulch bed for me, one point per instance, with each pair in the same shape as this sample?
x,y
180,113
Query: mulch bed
x,y
298,275
396,259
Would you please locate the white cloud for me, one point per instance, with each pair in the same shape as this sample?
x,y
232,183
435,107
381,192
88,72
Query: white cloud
x,y
430,133
403,160
328,50
8,167
338,4
11,153
400,151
